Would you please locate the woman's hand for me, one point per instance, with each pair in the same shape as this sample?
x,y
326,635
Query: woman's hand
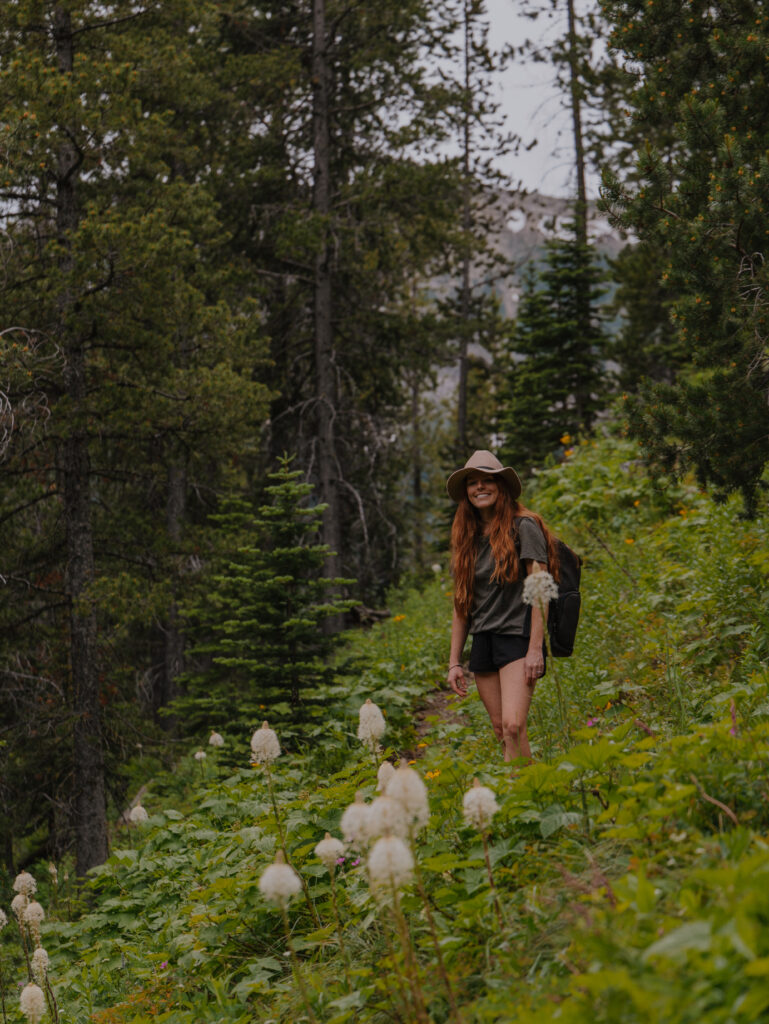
x,y
456,680
533,666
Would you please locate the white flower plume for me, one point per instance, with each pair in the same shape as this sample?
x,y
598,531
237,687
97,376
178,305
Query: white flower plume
x,y
40,964
371,723
32,1002
390,863
19,905
200,755
386,817
279,882
3,919
383,775
329,850
25,883
539,588
264,745
34,915
354,822
480,805
138,814
407,787
216,740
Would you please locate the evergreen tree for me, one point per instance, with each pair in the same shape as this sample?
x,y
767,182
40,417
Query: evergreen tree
x,y
555,378
257,621
704,204
136,359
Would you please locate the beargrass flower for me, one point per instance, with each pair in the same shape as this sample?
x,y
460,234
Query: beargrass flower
x,y
279,881
25,883
330,850
264,745
138,814
539,589
200,755
384,774
480,805
354,822
3,919
53,871
390,863
371,723
34,915
407,787
40,964
386,816
216,740
32,1002
19,905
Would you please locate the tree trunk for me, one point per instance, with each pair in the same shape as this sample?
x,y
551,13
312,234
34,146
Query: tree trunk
x,y
580,207
325,369
90,822
466,225
166,688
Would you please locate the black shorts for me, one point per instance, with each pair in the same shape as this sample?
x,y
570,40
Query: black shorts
x,y
490,651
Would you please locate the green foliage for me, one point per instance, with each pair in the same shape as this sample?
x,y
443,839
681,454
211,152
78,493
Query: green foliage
x,y
260,612
628,891
702,205
554,378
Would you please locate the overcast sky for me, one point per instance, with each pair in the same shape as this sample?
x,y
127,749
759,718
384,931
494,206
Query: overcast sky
x,y
533,109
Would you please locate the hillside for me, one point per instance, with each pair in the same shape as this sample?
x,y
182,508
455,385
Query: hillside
x,y
628,863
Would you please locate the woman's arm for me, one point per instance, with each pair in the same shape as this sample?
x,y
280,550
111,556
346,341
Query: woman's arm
x,y
534,664
456,674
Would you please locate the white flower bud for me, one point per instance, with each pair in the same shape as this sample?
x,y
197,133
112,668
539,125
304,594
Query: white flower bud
x,y
480,806
371,723
3,919
138,814
385,773
200,755
386,817
539,588
40,964
329,850
25,883
390,863
264,745
19,905
32,1002
216,740
53,871
407,787
354,822
34,914
279,881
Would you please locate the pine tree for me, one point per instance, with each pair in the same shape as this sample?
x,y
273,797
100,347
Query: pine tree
x,y
129,363
257,622
555,379
703,203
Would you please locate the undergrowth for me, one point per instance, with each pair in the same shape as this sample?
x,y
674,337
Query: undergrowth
x,y
631,859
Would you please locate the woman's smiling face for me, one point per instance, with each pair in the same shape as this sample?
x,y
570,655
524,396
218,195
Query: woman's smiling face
x,y
482,491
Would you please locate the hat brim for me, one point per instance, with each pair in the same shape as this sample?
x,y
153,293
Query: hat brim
x,y
455,485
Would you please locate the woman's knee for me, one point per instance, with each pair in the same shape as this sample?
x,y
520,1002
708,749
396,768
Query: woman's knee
x,y
514,728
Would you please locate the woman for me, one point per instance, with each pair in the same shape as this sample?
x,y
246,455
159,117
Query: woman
x,y
495,543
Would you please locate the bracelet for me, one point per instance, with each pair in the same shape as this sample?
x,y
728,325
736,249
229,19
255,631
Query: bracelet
x,y
457,664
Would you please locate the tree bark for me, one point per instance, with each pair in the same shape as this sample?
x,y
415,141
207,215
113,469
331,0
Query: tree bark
x,y
90,819
464,314
325,370
580,207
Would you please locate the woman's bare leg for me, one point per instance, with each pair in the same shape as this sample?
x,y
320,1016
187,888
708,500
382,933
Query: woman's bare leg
x,y
515,696
490,693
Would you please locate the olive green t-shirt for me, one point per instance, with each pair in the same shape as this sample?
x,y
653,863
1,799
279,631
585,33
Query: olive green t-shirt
x,y
499,607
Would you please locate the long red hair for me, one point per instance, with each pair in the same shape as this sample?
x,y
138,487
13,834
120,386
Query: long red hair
x,y
467,528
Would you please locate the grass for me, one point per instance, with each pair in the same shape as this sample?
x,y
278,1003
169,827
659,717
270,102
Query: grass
x,y
631,863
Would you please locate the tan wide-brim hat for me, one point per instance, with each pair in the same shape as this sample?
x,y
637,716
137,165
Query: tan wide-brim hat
x,y
483,462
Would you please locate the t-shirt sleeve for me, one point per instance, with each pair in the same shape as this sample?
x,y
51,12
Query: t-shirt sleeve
x,y
532,540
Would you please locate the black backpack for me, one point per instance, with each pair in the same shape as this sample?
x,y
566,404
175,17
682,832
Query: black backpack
x,y
563,613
